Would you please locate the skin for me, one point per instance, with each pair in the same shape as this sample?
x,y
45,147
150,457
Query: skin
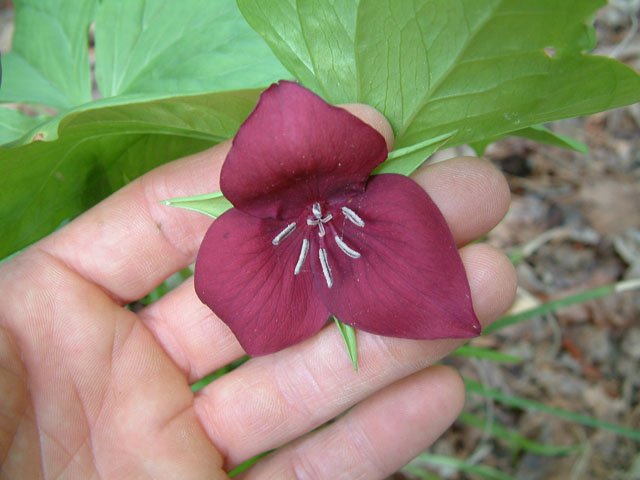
x,y
89,389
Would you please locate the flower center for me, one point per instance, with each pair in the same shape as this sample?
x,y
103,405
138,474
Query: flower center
x,y
317,219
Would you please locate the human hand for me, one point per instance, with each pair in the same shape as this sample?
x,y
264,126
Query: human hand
x,y
91,389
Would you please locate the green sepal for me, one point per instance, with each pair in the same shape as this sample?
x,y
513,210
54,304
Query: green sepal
x,y
406,160
349,336
212,204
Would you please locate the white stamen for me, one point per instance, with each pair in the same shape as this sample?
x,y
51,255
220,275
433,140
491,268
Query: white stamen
x,y
350,252
321,228
317,210
326,269
284,233
353,216
302,257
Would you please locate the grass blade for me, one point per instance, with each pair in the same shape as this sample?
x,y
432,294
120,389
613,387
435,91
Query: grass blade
x,y
567,301
475,387
487,354
514,439
206,380
482,471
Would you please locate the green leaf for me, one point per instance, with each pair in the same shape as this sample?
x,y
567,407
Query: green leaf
x,y
349,336
211,204
478,69
149,50
192,46
14,124
49,60
100,150
537,133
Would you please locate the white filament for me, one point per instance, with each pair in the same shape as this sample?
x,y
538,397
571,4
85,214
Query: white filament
x,y
302,257
352,216
346,248
284,233
326,269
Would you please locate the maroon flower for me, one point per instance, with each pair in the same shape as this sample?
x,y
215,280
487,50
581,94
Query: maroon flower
x,y
313,234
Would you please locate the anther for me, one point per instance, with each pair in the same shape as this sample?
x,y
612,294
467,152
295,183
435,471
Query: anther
x,y
326,269
317,210
350,252
352,216
284,233
302,257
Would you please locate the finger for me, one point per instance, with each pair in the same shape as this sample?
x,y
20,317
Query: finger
x,y
195,339
471,193
377,437
199,343
129,243
274,399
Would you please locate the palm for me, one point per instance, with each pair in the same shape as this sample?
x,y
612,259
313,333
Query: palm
x,y
88,389
103,400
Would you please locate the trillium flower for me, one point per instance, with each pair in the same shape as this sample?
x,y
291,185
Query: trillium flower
x,y
313,234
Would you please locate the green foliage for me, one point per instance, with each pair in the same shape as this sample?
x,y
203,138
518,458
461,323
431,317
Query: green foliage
x,y
537,133
444,73
149,54
177,48
13,123
478,69
49,60
99,151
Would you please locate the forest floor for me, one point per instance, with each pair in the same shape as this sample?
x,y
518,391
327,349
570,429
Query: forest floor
x,y
576,220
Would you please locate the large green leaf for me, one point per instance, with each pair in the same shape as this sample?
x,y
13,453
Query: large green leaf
x,y
477,68
49,61
98,151
192,46
13,124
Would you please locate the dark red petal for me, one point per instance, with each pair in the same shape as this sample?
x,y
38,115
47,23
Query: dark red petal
x,y
295,149
249,283
409,281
